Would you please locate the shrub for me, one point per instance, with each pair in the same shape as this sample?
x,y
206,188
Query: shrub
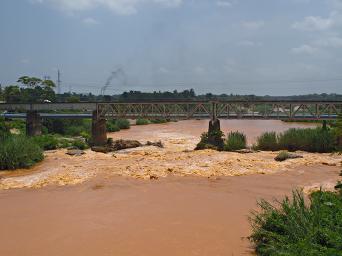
x,y
267,141
213,140
235,141
80,144
85,135
112,127
19,152
4,128
46,142
282,156
123,123
72,127
293,228
142,121
311,140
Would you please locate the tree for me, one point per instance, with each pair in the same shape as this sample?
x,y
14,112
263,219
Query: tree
x,y
29,81
12,93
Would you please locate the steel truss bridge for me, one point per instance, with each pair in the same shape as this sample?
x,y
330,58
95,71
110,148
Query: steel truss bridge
x,y
173,109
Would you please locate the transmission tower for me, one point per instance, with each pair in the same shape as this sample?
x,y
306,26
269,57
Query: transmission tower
x,y
59,82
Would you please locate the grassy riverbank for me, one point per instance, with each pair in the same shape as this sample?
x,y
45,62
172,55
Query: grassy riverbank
x,y
293,227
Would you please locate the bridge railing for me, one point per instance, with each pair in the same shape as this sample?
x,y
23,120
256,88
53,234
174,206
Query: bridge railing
x,y
291,110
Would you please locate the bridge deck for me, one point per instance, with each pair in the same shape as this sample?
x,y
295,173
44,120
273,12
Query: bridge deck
x,y
290,110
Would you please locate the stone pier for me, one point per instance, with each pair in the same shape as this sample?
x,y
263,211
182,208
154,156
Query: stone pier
x,y
215,134
98,130
33,123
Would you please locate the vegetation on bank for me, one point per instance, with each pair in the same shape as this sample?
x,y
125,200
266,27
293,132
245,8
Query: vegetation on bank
x,y
19,152
142,121
308,139
293,227
235,141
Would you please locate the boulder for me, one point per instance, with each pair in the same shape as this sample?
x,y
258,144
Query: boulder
x,y
124,144
75,152
284,155
116,145
158,144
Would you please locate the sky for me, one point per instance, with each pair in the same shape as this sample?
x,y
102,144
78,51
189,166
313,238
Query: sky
x,y
262,47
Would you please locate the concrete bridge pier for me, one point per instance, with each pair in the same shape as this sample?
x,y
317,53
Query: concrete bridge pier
x,y
215,134
98,130
33,123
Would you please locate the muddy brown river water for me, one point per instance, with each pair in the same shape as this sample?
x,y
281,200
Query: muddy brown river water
x,y
151,201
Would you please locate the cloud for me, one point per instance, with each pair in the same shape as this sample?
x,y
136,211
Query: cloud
x,y
123,7
313,23
335,42
253,25
90,21
304,49
24,61
248,43
225,3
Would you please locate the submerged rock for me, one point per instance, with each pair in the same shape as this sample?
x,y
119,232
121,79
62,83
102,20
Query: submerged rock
x,y
75,152
158,144
284,155
116,145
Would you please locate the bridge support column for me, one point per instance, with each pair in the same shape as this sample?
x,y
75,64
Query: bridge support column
x,y
33,123
215,134
98,130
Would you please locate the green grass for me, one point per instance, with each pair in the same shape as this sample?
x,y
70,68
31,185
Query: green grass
x,y
123,123
267,141
292,227
309,139
46,142
235,141
142,121
112,126
282,156
19,152
80,144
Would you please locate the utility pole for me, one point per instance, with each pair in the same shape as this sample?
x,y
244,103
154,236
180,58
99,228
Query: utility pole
x,y
59,82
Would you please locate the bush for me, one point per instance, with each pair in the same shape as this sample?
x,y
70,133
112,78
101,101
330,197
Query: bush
x,y
293,228
80,144
112,126
72,127
123,123
311,140
282,156
85,135
214,141
19,152
46,142
142,121
235,141
4,129
267,141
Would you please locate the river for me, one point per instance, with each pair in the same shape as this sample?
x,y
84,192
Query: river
x,y
151,201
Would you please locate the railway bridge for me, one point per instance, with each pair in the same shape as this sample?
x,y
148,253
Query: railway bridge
x,y
170,109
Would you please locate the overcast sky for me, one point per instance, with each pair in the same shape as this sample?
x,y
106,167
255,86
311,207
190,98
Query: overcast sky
x,y
274,47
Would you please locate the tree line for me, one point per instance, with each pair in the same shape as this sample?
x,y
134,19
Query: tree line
x,y
34,90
